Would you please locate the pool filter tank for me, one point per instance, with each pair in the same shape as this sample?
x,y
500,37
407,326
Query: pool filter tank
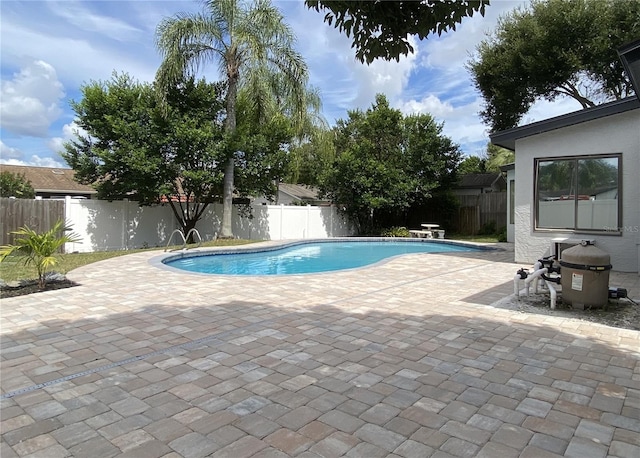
x,y
585,276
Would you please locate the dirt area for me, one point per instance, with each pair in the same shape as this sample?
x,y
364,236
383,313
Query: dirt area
x,y
33,288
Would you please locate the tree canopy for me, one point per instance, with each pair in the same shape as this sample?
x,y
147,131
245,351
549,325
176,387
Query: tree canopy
x,y
497,156
551,49
136,148
386,162
310,159
472,164
380,29
175,151
489,161
15,185
253,48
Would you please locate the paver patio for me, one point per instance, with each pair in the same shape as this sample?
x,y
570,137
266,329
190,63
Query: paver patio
x,y
406,358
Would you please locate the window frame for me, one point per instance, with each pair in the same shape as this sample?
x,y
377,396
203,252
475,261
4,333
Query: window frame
x,y
512,201
617,230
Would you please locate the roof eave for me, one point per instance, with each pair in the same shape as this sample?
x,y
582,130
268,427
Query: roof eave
x,y
507,138
64,191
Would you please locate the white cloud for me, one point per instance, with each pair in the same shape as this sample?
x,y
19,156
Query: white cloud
x,y
454,48
544,109
77,60
389,78
345,83
36,161
80,17
39,154
31,100
69,132
9,153
430,104
444,88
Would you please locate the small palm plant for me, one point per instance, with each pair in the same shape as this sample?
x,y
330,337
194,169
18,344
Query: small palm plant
x,y
39,249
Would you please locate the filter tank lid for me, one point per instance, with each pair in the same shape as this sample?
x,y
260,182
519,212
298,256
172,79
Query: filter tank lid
x,y
585,256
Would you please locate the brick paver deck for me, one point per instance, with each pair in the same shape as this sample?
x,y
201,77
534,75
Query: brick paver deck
x,y
407,358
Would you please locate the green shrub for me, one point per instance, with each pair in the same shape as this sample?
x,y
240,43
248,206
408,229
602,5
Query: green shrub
x,y
396,231
39,250
488,228
502,235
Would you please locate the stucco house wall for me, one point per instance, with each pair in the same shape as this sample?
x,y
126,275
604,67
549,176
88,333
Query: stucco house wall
x,y
510,178
618,133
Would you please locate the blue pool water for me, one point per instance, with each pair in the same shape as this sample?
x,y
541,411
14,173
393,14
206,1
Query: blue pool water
x,y
307,258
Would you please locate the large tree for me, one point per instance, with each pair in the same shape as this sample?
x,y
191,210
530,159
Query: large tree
x,y
130,146
385,163
472,164
551,49
498,156
380,29
310,159
278,125
244,40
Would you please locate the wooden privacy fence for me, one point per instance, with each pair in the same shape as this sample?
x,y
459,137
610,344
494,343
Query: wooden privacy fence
x,y
480,210
39,215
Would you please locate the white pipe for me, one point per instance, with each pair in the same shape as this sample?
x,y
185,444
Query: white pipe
x,y
537,266
553,293
533,277
516,286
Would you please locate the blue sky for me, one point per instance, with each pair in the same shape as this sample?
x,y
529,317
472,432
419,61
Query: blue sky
x,y
50,48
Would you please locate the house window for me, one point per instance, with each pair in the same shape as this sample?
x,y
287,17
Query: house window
x,y
512,201
578,193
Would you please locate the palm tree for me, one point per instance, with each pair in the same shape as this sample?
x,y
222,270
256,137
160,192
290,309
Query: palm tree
x,y
247,41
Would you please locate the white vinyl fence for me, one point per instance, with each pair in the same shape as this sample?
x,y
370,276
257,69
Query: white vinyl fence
x,y
125,225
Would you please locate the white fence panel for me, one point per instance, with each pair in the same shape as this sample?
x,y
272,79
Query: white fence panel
x,y
125,225
121,225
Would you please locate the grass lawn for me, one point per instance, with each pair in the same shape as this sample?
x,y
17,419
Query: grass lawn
x,y
474,238
13,268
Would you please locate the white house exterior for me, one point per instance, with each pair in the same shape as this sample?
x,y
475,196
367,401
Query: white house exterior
x,y
510,177
550,207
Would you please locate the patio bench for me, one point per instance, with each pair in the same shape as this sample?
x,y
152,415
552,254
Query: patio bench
x,y
421,233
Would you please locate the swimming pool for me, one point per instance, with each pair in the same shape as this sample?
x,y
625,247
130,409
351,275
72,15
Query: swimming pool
x,y
307,257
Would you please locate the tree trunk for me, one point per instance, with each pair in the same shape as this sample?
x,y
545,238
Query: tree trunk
x,y
226,230
187,226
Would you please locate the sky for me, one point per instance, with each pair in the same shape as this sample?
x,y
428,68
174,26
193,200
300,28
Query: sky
x,y
49,49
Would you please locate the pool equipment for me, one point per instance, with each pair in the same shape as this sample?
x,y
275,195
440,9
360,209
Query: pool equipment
x,y
543,269
584,280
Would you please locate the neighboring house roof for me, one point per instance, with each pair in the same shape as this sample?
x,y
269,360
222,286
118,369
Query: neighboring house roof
x,y
48,180
507,138
478,180
299,191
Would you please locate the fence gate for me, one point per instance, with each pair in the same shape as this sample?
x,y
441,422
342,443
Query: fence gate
x,y
39,215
